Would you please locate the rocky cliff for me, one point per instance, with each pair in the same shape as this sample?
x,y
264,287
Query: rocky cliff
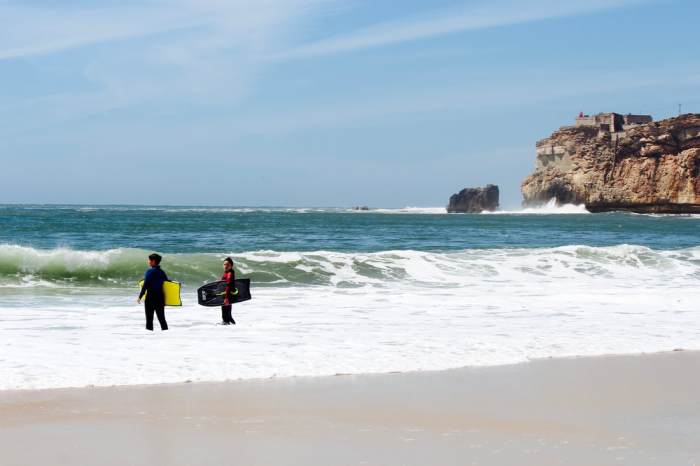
x,y
653,167
474,200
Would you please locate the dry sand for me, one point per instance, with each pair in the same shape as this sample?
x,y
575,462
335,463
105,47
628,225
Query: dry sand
x,y
632,410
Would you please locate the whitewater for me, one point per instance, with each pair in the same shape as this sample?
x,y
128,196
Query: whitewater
x,y
335,293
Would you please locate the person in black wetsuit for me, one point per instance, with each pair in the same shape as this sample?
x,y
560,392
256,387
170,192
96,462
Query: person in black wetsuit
x,y
155,299
229,277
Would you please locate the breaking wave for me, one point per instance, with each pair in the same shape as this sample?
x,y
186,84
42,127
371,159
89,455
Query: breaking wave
x,y
26,266
550,208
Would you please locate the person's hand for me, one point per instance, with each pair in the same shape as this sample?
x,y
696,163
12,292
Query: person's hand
x,y
226,303
138,300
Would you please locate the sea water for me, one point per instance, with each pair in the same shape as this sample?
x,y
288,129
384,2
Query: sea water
x,y
337,291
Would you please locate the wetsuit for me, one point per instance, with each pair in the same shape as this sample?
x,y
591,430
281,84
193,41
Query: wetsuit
x,y
155,299
230,278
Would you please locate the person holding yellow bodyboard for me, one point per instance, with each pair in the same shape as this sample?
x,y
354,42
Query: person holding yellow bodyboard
x,y
159,292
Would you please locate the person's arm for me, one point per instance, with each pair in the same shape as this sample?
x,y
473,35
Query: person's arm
x,y
165,275
146,284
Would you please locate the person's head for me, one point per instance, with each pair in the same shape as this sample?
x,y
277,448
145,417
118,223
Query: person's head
x,y
228,264
154,259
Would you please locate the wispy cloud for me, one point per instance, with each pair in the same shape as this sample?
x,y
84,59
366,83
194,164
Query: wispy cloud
x,y
177,51
207,52
488,96
28,29
481,16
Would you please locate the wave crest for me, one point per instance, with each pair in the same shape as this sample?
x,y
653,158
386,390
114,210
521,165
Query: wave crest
x,y
21,266
550,208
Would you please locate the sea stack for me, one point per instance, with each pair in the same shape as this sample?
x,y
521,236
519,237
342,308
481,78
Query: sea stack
x,y
474,200
613,162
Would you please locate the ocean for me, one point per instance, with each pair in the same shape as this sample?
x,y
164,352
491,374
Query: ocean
x,y
337,291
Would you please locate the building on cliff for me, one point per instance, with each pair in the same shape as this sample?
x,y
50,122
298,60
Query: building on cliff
x,y
615,125
612,122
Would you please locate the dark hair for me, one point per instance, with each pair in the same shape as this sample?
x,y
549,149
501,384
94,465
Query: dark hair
x,y
229,260
155,258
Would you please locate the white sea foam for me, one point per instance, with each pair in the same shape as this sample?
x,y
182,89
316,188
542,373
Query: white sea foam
x,y
373,312
410,210
688,216
20,265
182,209
550,208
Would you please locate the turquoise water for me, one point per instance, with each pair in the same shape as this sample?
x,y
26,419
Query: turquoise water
x,y
193,230
107,245
337,291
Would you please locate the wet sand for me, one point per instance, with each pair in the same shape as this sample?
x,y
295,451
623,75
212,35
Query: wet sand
x,y
632,410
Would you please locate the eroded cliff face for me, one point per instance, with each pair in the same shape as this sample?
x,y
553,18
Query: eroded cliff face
x,y
647,168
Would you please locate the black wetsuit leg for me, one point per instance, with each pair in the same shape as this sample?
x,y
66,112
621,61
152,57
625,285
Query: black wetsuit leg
x,y
160,312
149,315
158,306
226,314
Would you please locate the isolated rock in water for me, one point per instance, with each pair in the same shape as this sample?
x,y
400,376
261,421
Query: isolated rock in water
x,y
620,163
474,200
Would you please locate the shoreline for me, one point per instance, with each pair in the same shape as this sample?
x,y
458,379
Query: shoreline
x,y
360,374
614,409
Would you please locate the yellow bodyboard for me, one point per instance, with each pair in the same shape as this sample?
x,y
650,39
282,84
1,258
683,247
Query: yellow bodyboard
x,y
171,290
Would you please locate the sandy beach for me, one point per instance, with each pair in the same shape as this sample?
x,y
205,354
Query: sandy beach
x,y
585,411
416,233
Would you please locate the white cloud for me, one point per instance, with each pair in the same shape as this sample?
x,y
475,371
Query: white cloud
x,y
27,30
481,16
186,51
549,85
207,51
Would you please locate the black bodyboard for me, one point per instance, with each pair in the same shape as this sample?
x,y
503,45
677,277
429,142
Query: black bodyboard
x,y
212,294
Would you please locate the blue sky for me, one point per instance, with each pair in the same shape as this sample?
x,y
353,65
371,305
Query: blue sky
x,y
318,102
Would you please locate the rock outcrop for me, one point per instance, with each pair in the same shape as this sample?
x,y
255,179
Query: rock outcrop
x,y
474,200
645,168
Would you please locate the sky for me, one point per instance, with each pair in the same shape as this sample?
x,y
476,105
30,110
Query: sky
x,y
318,102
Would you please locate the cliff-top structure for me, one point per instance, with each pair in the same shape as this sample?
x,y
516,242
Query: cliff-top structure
x,y
611,161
